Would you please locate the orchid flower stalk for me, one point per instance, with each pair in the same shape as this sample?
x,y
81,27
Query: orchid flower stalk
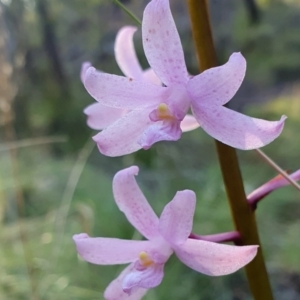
x,y
273,184
253,198
242,214
165,235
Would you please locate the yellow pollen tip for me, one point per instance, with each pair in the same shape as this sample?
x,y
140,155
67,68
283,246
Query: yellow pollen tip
x,y
163,112
145,260
162,108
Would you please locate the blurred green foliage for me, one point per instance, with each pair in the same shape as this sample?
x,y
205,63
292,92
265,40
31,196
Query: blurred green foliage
x,y
50,99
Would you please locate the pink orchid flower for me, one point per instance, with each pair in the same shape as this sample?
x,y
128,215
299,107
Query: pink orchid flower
x,y
100,116
165,235
157,111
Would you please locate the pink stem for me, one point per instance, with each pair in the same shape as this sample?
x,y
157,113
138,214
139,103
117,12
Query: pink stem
x,y
274,184
253,198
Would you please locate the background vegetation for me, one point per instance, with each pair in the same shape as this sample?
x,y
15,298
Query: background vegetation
x,y
54,183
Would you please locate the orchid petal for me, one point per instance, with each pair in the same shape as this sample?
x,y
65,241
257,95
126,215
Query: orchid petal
x,y
162,44
121,92
160,131
125,53
150,76
235,129
176,220
189,123
84,68
147,278
122,136
132,202
115,292
214,259
217,86
109,251
101,116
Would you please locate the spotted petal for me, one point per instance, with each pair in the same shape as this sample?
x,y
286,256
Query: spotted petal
x,y
125,53
101,116
162,44
176,220
217,86
109,251
235,129
214,259
121,92
132,202
123,136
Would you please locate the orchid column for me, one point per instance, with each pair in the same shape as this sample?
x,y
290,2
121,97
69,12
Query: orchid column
x,y
242,213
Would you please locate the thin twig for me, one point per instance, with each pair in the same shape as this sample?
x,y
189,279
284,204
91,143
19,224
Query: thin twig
x,y
19,199
32,142
63,210
74,177
278,169
128,12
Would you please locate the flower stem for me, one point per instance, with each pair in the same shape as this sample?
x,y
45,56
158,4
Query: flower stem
x,y
242,214
270,186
